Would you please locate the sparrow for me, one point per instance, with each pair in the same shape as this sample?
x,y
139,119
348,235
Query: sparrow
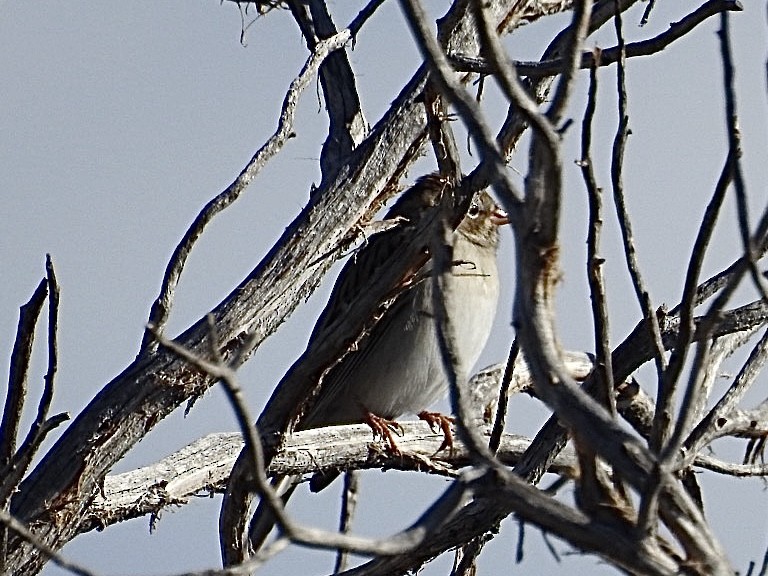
x,y
398,368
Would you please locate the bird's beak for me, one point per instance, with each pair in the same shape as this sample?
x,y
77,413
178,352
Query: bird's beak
x,y
499,217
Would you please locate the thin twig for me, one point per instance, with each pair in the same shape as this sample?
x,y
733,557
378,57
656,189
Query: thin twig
x,y
362,17
442,250
622,213
729,469
725,280
701,434
515,125
42,425
441,135
53,353
600,316
647,12
689,298
751,252
508,79
502,402
228,378
582,10
734,145
465,105
161,308
554,66
647,515
348,508
19,369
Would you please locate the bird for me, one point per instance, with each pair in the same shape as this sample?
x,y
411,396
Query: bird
x,y
398,368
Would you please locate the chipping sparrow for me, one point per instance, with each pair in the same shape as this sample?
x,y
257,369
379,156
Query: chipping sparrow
x,y
398,367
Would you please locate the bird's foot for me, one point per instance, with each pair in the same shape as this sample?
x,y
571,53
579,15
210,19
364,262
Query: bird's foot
x,y
384,428
438,421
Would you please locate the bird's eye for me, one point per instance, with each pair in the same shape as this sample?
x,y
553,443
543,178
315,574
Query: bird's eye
x,y
474,211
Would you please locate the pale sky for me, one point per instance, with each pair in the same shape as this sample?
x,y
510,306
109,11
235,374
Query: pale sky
x,y
119,121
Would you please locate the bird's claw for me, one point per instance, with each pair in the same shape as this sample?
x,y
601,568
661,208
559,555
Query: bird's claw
x,y
383,428
442,422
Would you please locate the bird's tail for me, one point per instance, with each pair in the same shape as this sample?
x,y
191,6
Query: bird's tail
x,y
263,520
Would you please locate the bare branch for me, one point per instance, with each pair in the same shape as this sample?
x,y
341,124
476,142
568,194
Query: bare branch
x,y
38,430
204,466
689,300
161,308
441,135
464,103
499,499
600,317
729,469
734,146
11,523
347,126
17,378
576,34
663,417
632,353
515,123
503,398
608,56
347,513
14,471
509,82
707,429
